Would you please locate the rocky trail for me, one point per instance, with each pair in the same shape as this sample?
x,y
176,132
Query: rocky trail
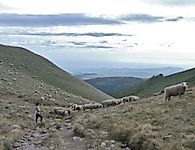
x,y
33,139
55,133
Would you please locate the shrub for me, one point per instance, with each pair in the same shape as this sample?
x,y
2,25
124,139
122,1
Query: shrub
x,y
6,144
16,134
120,134
140,141
94,124
79,132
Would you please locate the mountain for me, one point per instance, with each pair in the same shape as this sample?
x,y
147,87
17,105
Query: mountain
x,y
110,85
90,73
21,63
158,83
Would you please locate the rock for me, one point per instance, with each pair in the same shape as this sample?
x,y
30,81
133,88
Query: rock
x,y
167,136
52,99
4,79
52,129
67,124
19,115
112,145
51,147
11,73
50,96
75,138
9,83
36,92
16,134
15,126
16,145
58,126
14,79
42,98
21,96
124,145
43,132
113,141
69,127
103,145
6,107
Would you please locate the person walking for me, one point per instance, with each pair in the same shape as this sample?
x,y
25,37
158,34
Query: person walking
x,y
38,113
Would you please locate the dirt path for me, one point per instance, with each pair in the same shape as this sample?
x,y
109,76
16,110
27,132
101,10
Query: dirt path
x,y
33,139
72,142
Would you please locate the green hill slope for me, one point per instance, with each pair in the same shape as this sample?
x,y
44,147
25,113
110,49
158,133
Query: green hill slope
x,y
43,70
110,85
158,83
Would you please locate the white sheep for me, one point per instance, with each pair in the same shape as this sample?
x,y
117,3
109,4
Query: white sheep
x,y
174,90
133,98
62,111
77,107
110,102
130,98
92,106
119,101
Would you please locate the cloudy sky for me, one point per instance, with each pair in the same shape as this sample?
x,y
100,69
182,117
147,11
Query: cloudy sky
x,y
102,33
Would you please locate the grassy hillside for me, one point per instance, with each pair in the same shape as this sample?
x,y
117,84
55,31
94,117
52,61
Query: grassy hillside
x,y
147,124
41,69
110,85
158,83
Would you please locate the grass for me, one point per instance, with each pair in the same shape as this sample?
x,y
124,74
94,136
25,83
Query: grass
x,y
146,124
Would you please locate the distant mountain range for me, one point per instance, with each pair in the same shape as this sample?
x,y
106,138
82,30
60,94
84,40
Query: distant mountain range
x,y
111,85
91,73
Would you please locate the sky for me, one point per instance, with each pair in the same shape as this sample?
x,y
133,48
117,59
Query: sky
x,y
102,33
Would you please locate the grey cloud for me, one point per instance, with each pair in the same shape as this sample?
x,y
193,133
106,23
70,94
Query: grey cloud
x,y
142,18
53,20
74,20
145,18
93,34
175,19
78,43
103,42
98,46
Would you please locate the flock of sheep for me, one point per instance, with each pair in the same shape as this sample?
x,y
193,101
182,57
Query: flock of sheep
x,y
61,111
173,90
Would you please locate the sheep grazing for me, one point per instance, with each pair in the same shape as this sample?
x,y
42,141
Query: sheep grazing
x,y
133,98
125,99
62,111
119,101
110,102
77,107
92,106
175,90
130,98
